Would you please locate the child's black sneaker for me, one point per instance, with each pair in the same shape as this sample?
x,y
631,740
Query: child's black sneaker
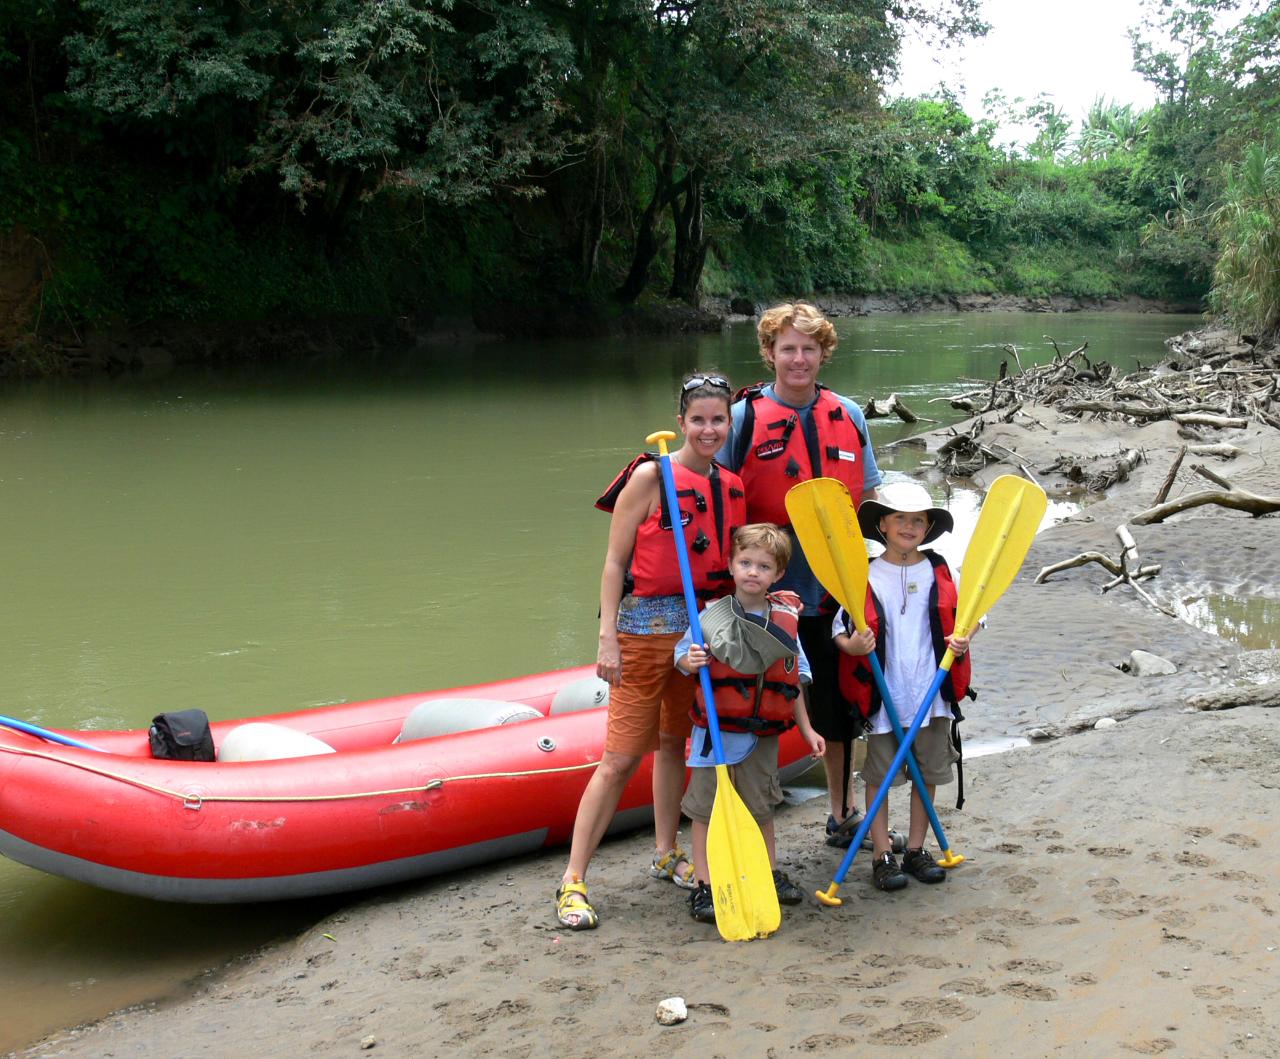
x,y
885,873
701,906
788,892
922,867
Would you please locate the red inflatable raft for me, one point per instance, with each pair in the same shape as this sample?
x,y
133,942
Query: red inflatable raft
x,y
359,810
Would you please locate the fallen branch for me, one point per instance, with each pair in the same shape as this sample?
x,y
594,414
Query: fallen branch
x,y
1127,570
893,405
1236,499
1231,698
1165,486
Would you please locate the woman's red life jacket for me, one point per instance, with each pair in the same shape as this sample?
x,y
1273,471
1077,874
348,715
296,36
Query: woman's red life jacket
x,y
779,447
761,703
711,508
853,672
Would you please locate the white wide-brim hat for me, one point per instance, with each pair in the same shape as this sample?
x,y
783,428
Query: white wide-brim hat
x,y
903,496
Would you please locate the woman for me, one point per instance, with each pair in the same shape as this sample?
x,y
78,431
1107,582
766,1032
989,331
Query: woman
x,y
642,617
782,433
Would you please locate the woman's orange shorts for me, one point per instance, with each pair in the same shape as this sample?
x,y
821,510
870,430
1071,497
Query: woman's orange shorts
x,y
653,697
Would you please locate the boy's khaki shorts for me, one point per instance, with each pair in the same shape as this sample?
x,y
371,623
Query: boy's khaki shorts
x,y
654,695
755,778
932,748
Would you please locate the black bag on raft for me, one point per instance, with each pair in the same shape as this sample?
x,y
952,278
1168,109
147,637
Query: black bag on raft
x,y
182,736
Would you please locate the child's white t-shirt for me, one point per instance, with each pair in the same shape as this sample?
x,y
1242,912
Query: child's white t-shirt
x,y
911,665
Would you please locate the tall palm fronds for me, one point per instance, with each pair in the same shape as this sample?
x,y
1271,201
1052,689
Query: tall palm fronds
x,y
1246,220
1110,128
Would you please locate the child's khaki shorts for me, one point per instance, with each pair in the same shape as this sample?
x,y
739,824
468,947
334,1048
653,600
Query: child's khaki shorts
x,y
932,748
755,778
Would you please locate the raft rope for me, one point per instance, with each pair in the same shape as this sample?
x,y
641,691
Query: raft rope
x,y
195,801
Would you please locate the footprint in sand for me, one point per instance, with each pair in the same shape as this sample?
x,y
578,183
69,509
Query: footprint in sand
x,y
922,1007
967,987
908,1033
1033,966
1236,875
1175,917
1212,992
1055,848
1085,978
1193,860
812,1001
1199,832
1021,884
825,1042
1110,851
1152,1047
1029,990
995,937
1243,841
858,1018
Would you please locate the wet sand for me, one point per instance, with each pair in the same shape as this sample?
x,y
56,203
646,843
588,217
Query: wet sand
x,y
1118,896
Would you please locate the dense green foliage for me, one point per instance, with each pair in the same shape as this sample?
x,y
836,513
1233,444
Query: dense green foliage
x,y
225,161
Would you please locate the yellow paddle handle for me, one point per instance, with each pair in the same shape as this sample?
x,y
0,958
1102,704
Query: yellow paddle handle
x,y
828,896
660,438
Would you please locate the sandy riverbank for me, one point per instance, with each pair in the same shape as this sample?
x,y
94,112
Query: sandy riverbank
x,y
1118,894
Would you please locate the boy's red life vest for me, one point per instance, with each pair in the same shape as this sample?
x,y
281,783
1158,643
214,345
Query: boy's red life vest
x,y
857,684
761,703
711,508
778,448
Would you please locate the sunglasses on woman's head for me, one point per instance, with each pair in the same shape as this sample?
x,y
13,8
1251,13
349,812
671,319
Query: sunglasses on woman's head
x,y
719,382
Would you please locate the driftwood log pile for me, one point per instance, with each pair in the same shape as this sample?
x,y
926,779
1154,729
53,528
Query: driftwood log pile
x,y
1221,391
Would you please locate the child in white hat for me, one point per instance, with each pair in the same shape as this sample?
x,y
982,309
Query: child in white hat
x,y
911,613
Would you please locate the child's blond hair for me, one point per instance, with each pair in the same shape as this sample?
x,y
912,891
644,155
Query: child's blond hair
x,y
765,536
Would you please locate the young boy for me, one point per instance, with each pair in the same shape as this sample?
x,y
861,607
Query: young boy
x,y
911,613
758,674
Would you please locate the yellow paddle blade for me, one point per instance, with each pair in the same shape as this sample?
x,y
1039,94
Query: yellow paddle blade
x,y
1007,524
826,524
745,898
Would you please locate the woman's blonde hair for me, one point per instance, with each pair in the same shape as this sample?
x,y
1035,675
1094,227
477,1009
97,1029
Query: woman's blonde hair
x,y
805,318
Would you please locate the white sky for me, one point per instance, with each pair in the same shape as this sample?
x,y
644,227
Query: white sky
x,y
1075,51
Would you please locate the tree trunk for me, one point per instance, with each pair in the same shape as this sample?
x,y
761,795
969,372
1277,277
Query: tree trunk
x,y
691,240
647,244
593,222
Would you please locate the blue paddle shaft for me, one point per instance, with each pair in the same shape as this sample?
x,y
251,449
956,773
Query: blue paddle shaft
x,y
912,766
903,748
690,600
44,733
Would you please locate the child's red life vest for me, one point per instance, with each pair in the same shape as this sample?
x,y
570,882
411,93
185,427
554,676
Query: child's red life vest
x,y
761,703
711,508
853,672
778,448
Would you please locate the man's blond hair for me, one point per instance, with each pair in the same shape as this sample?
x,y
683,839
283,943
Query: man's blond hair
x,y
805,318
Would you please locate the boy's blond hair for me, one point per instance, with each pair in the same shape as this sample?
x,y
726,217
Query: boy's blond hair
x,y
805,318
765,536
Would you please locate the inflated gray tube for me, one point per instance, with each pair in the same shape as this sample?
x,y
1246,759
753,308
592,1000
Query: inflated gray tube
x,y
443,716
589,693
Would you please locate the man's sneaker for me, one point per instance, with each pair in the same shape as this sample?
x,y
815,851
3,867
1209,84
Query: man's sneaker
x,y
922,867
886,874
840,834
788,892
701,906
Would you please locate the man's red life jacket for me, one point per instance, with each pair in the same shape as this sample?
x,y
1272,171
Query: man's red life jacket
x,y
779,447
857,684
761,703
711,508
